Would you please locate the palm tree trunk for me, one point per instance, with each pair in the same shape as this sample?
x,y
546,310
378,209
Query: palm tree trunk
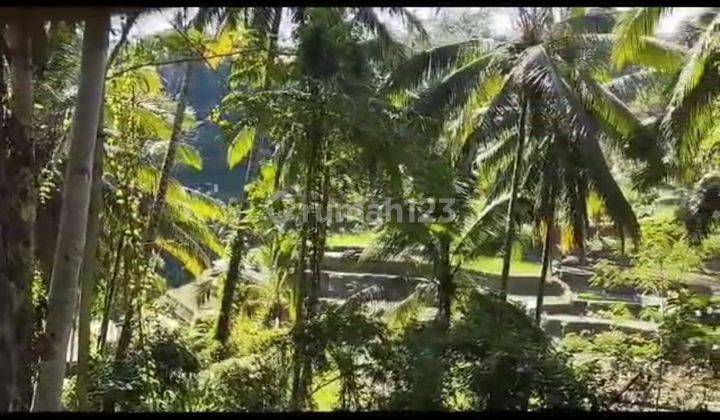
x,y
445,287
222,328
87,272
302,306
74,215
582,227
158,204
8,354
510,226
547,251
169,161
312,203
102,340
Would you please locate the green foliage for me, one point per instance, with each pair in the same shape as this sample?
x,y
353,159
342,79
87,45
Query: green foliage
x,y
661,264
474,367
240,147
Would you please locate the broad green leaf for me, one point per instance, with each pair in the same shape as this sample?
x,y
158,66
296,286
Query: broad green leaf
x,y
189,156
154,120
240,147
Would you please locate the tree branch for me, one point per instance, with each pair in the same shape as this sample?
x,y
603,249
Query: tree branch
x,y
186,59
131,19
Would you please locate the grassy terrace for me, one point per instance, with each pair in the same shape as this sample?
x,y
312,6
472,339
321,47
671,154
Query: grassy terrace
x,y
490,265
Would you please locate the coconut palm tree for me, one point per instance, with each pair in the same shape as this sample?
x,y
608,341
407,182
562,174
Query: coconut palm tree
x,y
198,23
546,75
464,229
266,21
688,115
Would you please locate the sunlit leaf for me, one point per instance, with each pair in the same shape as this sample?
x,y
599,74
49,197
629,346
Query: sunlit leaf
x,y
189,156
240,147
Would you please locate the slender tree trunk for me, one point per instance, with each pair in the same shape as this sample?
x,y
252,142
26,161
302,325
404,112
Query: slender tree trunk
x,y
74,214
8,354
102,340
546,257
87,273
222,328
158,205
302,307
510,226
169,161
445,286
312,233
17,232
582,228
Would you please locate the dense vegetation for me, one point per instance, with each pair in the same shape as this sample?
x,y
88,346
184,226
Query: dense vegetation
x,y
546,236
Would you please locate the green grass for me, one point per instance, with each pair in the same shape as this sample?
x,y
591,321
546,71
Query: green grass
x,y
591,296
361,239
326,398
489,265
493,265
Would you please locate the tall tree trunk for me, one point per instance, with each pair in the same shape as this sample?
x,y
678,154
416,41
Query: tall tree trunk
x,y
581,228
74,214
222,327
110,294
547,252
308,291
8,354
445,286
19,196
510,226
87,272
169,161
157,206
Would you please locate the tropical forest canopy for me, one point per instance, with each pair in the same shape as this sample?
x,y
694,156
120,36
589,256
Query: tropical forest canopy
x,y
355,208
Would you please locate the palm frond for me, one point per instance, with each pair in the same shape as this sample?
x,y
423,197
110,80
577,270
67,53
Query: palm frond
x,y
630,30
454,90
201,205
366,295
635,140
425,65
368,19
183,248
424,295
629,85
607,188
412,23
660,55
482,229
688,115
397,240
